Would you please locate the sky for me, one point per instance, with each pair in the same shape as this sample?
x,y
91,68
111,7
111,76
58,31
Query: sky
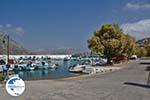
x,y
53,24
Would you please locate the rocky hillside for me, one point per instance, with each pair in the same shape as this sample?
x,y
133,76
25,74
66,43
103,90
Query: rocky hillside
x,y
143,42
15,48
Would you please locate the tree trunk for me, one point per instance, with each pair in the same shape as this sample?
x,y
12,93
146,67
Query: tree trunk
x,y
109,55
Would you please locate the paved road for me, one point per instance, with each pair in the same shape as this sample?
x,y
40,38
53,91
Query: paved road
x,y
125,84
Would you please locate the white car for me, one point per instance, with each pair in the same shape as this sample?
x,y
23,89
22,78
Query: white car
x,y
133,57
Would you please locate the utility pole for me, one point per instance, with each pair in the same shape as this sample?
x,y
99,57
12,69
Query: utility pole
x,y
8,66
8,49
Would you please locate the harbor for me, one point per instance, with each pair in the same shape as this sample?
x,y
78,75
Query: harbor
x,y
40,74
128,83
39,67
74,50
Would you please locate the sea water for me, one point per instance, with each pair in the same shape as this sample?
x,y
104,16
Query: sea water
x,y
60,72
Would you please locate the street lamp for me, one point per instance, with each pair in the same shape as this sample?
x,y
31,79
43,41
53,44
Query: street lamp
x,y
8,66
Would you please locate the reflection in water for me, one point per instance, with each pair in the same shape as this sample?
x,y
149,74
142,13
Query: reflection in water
x,y
61,71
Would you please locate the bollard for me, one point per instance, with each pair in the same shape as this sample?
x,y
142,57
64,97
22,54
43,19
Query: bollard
x,y
148,69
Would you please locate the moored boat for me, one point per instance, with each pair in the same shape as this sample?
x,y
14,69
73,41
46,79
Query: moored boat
x,y
77,68
53,66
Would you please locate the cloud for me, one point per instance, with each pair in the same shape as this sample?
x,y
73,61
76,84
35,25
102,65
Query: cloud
x,y
1,26
8,28
20,31
139,30
8,25
137,6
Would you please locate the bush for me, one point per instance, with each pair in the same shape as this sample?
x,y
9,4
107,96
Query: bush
x,y
1,77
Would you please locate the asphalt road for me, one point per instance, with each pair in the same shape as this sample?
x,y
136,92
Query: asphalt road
x,y
128,83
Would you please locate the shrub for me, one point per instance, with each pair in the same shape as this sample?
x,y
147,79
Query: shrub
x,y
1,77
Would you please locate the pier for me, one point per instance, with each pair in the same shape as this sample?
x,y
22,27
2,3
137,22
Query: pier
x,y
128,83
49,56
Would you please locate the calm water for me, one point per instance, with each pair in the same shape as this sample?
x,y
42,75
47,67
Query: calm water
x,y
60,72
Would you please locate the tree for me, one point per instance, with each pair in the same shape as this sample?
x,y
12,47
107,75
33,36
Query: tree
x,y
130,47
147,47
142,52
95,45
111,41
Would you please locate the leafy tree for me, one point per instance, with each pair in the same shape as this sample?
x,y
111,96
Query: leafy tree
x,y
147,47
142,52
95,45
111,41
130,47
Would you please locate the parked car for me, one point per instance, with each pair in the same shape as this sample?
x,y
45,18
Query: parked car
x,y
120,58
133,57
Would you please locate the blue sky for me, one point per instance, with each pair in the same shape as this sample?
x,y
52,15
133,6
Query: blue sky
x,y
52,24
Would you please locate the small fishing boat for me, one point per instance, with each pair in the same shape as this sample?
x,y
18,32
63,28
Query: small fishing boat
x,y
67,59
77,68
8,67
46,66
1,68
30,67
53,66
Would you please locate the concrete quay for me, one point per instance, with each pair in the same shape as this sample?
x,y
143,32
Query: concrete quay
x,y
128,83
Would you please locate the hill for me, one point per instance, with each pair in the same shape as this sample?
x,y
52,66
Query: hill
x,y
14,47
143,42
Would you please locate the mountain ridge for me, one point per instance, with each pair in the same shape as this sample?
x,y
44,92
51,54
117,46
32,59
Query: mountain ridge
x,y
14,47
143,42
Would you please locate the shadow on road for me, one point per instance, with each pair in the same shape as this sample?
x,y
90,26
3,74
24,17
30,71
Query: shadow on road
x,y
145,63
137,84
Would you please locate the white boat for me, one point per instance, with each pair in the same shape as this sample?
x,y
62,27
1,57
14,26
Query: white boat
x,y
52,66
77,68
46,66
67,58
11,67
1,68
30,67
22,65
89,70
